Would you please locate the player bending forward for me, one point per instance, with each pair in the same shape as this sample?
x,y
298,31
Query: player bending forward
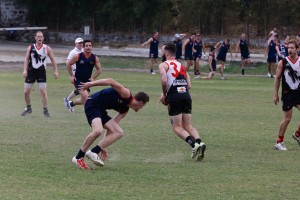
x,y
117,98
175,85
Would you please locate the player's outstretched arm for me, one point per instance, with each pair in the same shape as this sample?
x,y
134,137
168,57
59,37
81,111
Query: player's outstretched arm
x,y
147,42
123,91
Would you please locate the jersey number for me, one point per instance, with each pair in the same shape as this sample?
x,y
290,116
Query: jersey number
x,y
176,73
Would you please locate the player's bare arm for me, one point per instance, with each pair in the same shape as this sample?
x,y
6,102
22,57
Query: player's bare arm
x,y
277,82
53,61
70,62
163,78
184,45
98,69
123,91
26,61
147,42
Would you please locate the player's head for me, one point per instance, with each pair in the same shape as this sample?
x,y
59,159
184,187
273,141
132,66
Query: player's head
x,y
139,101
275,29
227,41
243,36
87,45
169,50
293,46
286,38
155,34
198,36
39,37
79,43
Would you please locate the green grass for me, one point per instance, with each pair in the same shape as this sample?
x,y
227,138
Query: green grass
x,y
235,117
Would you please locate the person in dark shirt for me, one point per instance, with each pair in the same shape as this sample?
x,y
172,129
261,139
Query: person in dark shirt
x,y
118,98
153,53
272,54
245,54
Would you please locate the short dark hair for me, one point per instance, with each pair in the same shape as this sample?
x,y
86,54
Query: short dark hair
x,y
85,41
171,48
142,96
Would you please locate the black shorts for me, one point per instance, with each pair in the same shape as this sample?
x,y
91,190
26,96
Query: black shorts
x,y
182,106
92,112
38,75
153,55
290,99
188,56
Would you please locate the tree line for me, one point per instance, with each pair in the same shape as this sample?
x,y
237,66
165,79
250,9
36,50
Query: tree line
x,y
209,17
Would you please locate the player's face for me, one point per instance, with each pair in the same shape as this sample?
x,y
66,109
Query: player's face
x,y
156,35
88,47
138,106
292,49
243,36
79,45
163,54
39,38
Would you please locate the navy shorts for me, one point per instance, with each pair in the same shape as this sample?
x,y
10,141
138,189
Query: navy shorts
x,y
153,55
221,57
271,59
196,55
92,112
182,106
38,75
290,99
245,56
77,83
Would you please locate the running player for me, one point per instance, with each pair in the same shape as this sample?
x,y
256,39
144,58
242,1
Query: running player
x,y
118,98
77,50
35,70
245,55
198,48
178,44
153,53
288,72
223,47
187,50
85,62
281,48
272,54
175,86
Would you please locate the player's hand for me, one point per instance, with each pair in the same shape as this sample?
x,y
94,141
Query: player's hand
x,y
91,79
276,99
103,154
72,79
84,86
162,100
25,74
55,74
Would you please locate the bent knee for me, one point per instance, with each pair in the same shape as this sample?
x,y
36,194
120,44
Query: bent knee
x,y
97,132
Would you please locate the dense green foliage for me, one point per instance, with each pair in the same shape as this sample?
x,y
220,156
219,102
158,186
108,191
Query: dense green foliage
x,y
217,17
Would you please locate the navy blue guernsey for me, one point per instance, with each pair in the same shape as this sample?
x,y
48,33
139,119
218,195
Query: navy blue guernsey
x,y
178,44
189,47
109,99
154,46
272,49
84,67
224,49
198,47
244,47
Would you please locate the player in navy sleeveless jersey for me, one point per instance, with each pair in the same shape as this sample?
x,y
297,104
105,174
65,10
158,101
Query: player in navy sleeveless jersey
x,y
281,48
178,44
242,44
35,71
198,50
175,86
223,47
288,71
117,97
153,53
85,63
187,50
272,54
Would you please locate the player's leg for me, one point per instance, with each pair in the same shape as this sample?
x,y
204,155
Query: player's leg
x,y
287,116
151,66
79,101
27,92
44,95
272,69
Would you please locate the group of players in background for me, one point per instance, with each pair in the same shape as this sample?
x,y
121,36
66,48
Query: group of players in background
x,y
193,50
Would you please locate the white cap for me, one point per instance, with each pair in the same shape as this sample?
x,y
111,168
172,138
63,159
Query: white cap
x,y
78,40
177,35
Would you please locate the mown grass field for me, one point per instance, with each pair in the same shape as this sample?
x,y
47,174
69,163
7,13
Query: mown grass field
x,y
236,118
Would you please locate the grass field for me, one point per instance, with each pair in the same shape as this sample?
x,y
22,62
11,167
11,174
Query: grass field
x,y
236,118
